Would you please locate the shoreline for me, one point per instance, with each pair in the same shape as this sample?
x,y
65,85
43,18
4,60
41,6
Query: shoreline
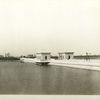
x,y
79,64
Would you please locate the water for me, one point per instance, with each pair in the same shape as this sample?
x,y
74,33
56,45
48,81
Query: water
x,y
27,78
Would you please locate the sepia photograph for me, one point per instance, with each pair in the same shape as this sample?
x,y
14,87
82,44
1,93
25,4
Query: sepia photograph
x,y
49,47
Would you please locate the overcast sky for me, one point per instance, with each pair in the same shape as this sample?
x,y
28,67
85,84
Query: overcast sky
x,y
28,26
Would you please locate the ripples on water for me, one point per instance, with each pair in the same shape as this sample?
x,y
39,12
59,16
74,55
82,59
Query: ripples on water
x,y
27,78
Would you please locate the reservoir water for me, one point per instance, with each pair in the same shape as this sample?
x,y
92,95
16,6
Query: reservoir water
x,y
27,78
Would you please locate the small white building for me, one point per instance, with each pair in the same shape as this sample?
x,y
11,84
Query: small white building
x,y
43,56
65,55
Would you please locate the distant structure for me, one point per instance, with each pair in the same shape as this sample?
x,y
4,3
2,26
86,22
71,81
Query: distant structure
x,y
31,56
65,55
43,56
54,57
7,54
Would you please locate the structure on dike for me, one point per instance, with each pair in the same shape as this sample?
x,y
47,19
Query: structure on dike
x,y
65,55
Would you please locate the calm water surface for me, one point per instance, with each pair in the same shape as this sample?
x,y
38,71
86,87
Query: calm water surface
x,y
27,78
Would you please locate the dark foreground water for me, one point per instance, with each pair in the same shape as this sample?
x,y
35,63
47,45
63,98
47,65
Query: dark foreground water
x,y
27,78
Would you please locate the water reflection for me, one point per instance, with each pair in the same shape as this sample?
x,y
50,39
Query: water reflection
x,y
51,81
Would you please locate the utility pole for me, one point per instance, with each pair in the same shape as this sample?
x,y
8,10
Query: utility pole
x,y
87,56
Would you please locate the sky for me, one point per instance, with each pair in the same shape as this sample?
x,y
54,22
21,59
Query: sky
x,y
30,26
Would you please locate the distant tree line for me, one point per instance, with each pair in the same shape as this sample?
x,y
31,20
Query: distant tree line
x,y
9,58
87,57
28,56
